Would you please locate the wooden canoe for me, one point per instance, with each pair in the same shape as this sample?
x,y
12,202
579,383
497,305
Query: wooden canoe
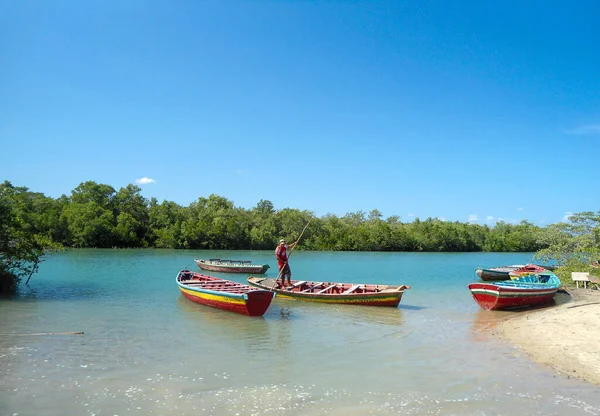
x,y
231,266
340,293
496,273
223,294
531,290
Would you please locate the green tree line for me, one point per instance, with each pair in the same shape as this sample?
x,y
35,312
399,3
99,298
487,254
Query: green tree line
x,y
98,216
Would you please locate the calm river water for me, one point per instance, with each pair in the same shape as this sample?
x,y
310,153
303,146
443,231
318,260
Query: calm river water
x,y
146,350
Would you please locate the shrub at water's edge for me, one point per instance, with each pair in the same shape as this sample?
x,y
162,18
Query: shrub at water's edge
x,y
573,245
22,243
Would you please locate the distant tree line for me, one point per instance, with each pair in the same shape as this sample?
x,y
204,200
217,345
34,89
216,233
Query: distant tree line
x,y
98,216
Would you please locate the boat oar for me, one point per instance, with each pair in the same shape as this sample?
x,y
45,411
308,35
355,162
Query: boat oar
x,y
292,249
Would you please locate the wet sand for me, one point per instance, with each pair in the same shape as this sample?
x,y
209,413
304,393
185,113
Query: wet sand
x,y
565,337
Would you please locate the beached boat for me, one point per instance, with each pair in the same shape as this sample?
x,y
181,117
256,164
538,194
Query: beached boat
x,y
231,266
496,273
327,292
526,270
531,290
223,294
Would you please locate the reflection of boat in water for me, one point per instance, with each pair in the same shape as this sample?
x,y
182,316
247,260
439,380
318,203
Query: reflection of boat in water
x,y
485,323
236,333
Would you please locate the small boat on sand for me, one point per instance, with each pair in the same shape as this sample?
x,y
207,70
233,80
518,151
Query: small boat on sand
x,y
531,290
496,273
340,293
223,294
231,266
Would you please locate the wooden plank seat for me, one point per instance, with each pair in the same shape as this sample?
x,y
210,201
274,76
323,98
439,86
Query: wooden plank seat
x,y
215,283
222,285
326,289
352,289
227,289
313,287
298,284
217,288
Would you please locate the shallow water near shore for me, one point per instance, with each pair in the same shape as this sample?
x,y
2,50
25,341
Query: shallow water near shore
x,y
147,350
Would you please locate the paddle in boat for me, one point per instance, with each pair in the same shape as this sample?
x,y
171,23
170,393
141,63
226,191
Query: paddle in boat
x,y
223,294
341,293
496,273
530,290
231,266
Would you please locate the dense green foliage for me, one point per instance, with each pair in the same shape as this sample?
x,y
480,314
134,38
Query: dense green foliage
x,y
574,245
97,215
26,226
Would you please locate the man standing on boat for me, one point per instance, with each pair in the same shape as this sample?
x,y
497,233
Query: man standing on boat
x,y
281,252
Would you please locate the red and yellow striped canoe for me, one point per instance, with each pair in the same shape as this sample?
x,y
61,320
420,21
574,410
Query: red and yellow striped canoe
x,y
223,294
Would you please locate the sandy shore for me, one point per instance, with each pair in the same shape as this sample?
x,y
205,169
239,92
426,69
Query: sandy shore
x,y
565,337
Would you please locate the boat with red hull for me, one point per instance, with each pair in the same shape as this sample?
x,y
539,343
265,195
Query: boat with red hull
x,y
223,294
231,266
531,290
339,293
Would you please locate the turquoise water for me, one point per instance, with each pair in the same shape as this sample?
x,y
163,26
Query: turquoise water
x,y
147,350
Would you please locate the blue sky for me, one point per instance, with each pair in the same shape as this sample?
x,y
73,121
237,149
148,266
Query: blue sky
x,y
466,111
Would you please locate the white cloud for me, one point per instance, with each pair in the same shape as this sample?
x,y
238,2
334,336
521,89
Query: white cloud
x,y
489,218
473,218
144,181
585,130
567,216
410,215
521,209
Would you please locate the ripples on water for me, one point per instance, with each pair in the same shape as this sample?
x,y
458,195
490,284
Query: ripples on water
x,y
148,350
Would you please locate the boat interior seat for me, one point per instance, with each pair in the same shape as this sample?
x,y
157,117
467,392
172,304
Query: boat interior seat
x,y
313,287
298,284
326,289
352,289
